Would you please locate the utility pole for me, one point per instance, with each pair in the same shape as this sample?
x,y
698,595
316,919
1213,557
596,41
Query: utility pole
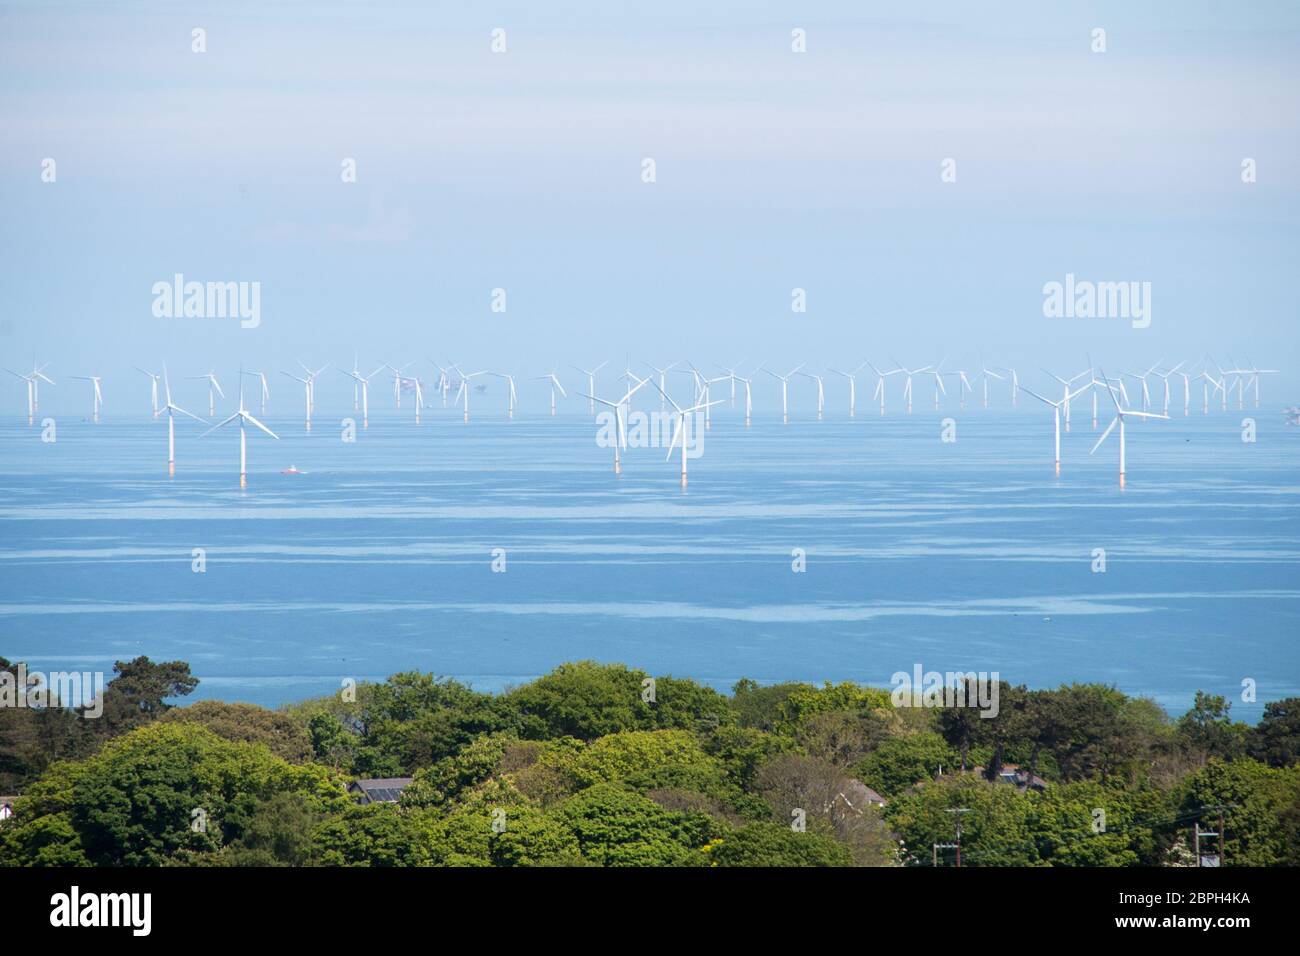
x,y
1198,834
957,820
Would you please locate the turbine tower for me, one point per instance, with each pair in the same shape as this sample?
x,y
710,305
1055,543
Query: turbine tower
x,y
243,417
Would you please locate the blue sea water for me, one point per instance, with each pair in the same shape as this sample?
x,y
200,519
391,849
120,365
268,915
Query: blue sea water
x,y
967,555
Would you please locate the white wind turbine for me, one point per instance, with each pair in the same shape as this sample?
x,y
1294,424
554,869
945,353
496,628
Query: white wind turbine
x,y
1015,384
1186,375
511,396
96,396
360,383
591,383
153,388
853,386
397,381
555,384
1066,397
702,388
620,427
682,428
907,389
464,389
1120,415
821,394
444,382
749,405
661,372
879,393
985,374
731,374
1255,373
211,379
1164,376
963,386
171,408
785,389
1056,406
243,417
306,386
1142,377
1206,380
938,373
266,388
33,387
418,388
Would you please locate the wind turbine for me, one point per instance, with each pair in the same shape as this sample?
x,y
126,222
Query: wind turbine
x,y
555,383
33,387
419,395
1142,377
1056,406
266,389
987,373
907,389
96,396
731,374
591,383
853,387
661,372
1066,397
306,384
360,383
1164,376
1015,384
620,429
963,386
211,379
880,384
397,381
785,389
153,389
464,389
1120,415
444,383
242,416
511,397
683,426
1207,380
749,405
171,408
821,393
1255,374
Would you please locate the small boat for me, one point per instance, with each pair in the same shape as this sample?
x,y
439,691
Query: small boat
x,y
291,470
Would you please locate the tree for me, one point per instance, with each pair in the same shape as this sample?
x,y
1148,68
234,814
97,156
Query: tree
x,y
163,791
1256,802
139,692
1275,740
616,827
284,735
278,834
771,844
901,762
1207,727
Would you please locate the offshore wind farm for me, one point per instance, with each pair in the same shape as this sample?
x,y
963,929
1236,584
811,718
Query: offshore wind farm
x,y
347,536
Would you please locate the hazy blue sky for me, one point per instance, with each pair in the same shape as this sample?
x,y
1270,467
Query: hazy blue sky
x,y
522,170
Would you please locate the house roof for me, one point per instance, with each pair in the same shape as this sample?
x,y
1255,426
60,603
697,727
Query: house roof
x,y
381,789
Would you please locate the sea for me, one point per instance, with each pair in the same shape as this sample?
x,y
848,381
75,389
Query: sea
x,y
843,549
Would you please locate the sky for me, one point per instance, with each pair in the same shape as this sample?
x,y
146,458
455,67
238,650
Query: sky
x,y
523,171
